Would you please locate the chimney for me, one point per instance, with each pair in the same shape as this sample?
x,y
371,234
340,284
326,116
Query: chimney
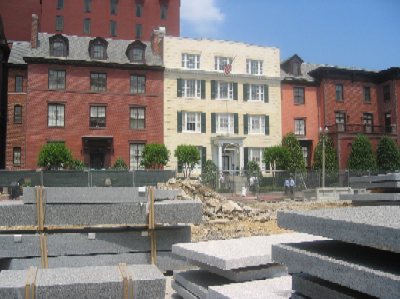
x,y
157,41
34,31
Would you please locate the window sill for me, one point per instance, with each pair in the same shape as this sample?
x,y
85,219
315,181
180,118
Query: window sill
x,y
258,133
137,129
299,104
97,128
255,101
191,98
191,132
56,127
217,99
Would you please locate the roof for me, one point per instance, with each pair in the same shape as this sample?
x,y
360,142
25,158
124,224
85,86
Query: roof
x,y
305,69
18,51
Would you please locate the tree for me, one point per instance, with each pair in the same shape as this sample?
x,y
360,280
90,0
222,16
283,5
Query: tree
x,y
120,164
277,154
54,155
296,160
331,161
188,156
154,156
77,164
387,154
361,155
209,174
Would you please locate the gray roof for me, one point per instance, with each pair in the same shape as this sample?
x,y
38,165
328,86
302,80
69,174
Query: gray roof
x,y
305,69
79,50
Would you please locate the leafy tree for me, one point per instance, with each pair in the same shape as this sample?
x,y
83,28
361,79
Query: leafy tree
x,y
120,164
277,154
253,171
387,154
188,156
296,160
77,164
154,156
209,174
54,156
331,161
361,155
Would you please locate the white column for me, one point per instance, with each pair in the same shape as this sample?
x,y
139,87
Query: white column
x,y
220,156
241,157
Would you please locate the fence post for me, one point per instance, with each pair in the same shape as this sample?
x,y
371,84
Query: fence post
x,y
88,178
348,178
41,177
133,178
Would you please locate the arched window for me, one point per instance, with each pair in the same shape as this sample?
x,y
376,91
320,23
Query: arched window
x,y
136,52
58,46
98,48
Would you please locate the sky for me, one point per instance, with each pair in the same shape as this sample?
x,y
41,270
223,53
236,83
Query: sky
x,y
349,33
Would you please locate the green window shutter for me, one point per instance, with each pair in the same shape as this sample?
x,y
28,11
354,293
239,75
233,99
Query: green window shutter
x,y
236,123
266,125
213,123
203,156
245,157
245,92
213,89
179,88
179,121
235,91
245,124
203,123
266,94
203,89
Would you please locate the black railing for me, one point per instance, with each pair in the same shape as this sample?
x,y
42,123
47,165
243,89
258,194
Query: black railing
x,y
361,128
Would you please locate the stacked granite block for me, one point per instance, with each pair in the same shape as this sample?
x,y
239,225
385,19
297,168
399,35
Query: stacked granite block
x,y
383,190
362,260
243,267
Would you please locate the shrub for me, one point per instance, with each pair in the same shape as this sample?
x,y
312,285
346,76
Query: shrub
x,y
120,164
209,174
54,156
188,156
331,161
361,155
77,164
277,154
387,154
154,156
295,157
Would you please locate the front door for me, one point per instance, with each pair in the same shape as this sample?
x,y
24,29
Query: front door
x,y
225,163
97,160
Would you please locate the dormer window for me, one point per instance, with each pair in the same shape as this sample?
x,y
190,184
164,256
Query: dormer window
x,y
98,48
58,46
136,52
296,69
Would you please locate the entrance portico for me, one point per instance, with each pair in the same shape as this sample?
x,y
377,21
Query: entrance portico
x,y
228,153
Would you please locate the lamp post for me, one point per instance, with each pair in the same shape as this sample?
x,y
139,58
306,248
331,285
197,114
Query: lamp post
x,y
323,133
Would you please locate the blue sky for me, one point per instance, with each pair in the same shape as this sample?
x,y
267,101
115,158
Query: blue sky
x,y
352,33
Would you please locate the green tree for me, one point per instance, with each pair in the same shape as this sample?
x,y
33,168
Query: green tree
x,y
77,164
120,164
331,161
209,174
387,154
277,154
361,155
54,156
296,160
188,156
154,156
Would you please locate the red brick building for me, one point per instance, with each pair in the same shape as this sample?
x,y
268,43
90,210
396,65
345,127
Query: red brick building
x,y
103,98
118,19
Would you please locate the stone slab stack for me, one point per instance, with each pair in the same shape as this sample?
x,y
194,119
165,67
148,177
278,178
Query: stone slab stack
x,y
361,261
236,268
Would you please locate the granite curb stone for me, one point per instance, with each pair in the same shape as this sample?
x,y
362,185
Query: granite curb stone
x,y
185,294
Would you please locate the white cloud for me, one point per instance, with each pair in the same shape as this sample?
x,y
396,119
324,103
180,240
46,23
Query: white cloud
x,y
203,15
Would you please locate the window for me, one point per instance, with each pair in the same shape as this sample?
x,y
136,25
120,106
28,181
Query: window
x,y
55,115
139,10
135,155
138,31
138,118
225,123
339,92
191,88
298,93
56,79
138,84
256,124
254,67
368,121
113,7
98,82
300,127
296,69
113,28
98,48
386,93
163,11
340,121
19,81
97,117
60,4
256,154
17,156
136,52
224,90
221,62
58,45
17,114
388,122
191,61
86,26
87,5
191,122
59,23
304,150
367,94
255,92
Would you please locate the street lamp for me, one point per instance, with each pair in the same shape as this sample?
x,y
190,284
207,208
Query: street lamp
x,y
323,133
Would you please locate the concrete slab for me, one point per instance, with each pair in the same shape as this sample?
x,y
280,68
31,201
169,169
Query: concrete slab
x,y
371,197
279,287
364,269
377,227
148,281
376,178
12,284
17,215
315,288
237,253
176,212
182,292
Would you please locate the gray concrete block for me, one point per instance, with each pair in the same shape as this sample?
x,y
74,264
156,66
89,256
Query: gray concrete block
x,y
377,227
279,287
384,185
182,292
178,211
17,215
237,253
376,178
148,281
12,284
364,269
372,196
14,246
315,288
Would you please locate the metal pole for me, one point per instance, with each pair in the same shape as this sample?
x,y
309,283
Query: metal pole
x,y
323,160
